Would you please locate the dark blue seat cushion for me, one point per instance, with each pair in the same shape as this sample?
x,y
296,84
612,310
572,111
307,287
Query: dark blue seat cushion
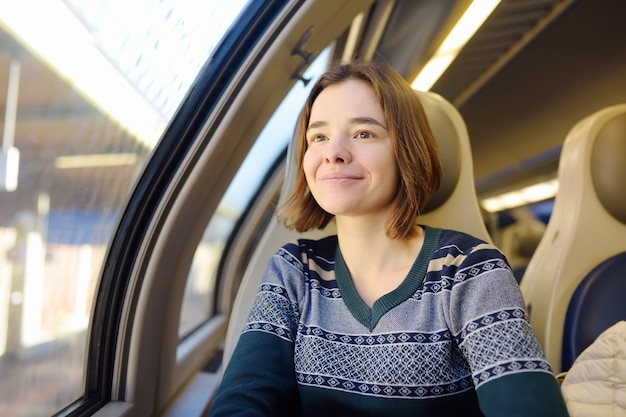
x,y
597,304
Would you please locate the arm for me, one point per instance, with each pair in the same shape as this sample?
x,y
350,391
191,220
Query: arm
x,y
524,394
489,321
260,378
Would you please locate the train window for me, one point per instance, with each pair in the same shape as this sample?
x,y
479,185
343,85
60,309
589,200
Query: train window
x,y
198,304
88,88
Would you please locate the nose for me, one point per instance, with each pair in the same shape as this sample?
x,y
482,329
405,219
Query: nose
x,y
337,152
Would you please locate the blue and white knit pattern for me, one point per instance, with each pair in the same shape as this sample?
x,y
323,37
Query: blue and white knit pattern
x,y
462,326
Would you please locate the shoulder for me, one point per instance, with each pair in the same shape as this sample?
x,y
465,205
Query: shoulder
x,y
456,244
303,253
462,255
297,264
457,241
305,249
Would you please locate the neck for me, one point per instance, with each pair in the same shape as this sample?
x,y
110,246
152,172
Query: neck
x,y
377,263
366,243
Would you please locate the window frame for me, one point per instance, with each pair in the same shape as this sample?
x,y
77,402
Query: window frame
x,y
111,316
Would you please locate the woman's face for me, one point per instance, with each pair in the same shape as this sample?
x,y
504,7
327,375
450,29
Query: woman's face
x,y
349,163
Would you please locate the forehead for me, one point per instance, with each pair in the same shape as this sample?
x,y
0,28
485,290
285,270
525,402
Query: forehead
x,y
347,99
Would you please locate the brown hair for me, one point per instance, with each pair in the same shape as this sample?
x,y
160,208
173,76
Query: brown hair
x,y
414,146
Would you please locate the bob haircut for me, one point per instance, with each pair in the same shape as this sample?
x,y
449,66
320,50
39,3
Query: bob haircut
x,y
414,147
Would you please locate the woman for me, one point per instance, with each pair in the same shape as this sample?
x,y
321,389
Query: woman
x,y
388,317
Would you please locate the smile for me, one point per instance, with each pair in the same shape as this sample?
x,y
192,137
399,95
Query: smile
x,y
340,179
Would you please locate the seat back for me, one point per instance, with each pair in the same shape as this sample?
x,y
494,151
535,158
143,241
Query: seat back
x,y
578,269
596,305
454,206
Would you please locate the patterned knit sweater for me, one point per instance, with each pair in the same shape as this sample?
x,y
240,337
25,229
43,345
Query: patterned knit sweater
x,y
452,340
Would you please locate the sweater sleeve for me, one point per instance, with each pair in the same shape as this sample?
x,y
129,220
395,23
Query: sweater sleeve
x,y
260,378
487,317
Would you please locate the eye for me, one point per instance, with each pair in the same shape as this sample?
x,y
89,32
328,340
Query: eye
x,y
364,135
316,138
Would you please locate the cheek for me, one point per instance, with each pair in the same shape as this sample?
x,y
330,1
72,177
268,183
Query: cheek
x,y
392,172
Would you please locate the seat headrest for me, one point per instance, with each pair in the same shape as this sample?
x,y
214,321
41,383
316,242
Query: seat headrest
x,y
447,136
608,166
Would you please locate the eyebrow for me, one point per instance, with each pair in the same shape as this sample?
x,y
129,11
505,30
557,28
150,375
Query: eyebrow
x,y
364,120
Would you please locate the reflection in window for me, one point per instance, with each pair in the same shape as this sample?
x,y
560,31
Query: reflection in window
x,y
81,112
199,291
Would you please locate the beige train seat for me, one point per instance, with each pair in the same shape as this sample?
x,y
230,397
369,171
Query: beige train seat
x,y
575,283
455,206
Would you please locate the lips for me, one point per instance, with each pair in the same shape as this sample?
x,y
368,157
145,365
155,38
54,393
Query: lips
x,y
339,178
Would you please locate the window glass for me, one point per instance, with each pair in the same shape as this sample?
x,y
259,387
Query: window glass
x,y
201,281
86,88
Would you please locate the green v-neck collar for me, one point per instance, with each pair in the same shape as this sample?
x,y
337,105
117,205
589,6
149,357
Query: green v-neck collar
x,y
369,317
